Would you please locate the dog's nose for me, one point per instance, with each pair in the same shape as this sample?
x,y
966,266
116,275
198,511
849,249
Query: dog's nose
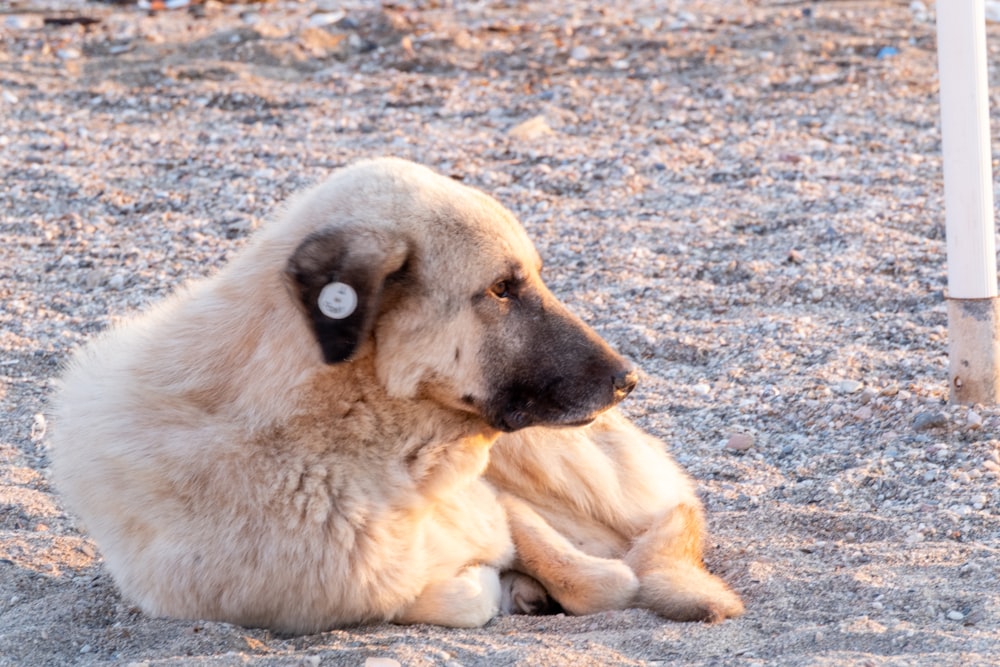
x,y
624,382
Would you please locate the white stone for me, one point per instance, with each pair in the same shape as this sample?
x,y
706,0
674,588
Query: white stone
x,y
847,386
381,662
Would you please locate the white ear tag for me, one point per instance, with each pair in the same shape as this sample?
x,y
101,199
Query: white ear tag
x,y
338,300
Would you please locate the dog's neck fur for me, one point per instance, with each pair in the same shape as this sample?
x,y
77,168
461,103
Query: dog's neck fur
x,y
439,446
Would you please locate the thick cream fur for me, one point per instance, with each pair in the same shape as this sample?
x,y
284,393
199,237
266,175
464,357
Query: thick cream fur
x,y
227,473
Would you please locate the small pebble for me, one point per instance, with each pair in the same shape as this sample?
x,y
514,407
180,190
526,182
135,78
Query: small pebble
x,y
321,19
39,427
381,662
93,279
928,420
650,23
319,42
864,413
739,442
955,615
847,386
973,420
701,389
531,129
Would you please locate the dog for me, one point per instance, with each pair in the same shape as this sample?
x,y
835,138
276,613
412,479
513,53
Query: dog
x,y
301,441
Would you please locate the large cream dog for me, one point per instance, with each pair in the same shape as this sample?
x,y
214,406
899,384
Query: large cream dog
x,y
299,441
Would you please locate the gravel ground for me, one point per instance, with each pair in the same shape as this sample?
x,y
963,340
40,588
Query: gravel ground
x,y
742,196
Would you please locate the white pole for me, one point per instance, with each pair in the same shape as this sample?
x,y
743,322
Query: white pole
x,y
973,307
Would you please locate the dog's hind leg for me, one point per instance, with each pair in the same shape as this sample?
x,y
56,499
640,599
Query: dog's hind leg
x,y
673,580
468,600
581,583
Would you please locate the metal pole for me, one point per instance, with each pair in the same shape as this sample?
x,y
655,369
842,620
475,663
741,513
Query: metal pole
x,y
973,306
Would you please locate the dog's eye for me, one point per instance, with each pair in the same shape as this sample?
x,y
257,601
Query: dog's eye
x,y
501,289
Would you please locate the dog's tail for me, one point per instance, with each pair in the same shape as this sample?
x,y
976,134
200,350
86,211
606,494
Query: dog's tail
x,y
673,580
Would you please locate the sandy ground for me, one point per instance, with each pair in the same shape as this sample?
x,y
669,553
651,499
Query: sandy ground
x,y
744,197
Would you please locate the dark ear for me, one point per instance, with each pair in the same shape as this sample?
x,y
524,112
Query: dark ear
x,y
338,275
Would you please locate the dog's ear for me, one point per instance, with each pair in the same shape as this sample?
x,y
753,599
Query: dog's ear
x,y
338,275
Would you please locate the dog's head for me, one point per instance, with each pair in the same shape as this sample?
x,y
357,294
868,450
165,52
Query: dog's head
x,y
441,284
